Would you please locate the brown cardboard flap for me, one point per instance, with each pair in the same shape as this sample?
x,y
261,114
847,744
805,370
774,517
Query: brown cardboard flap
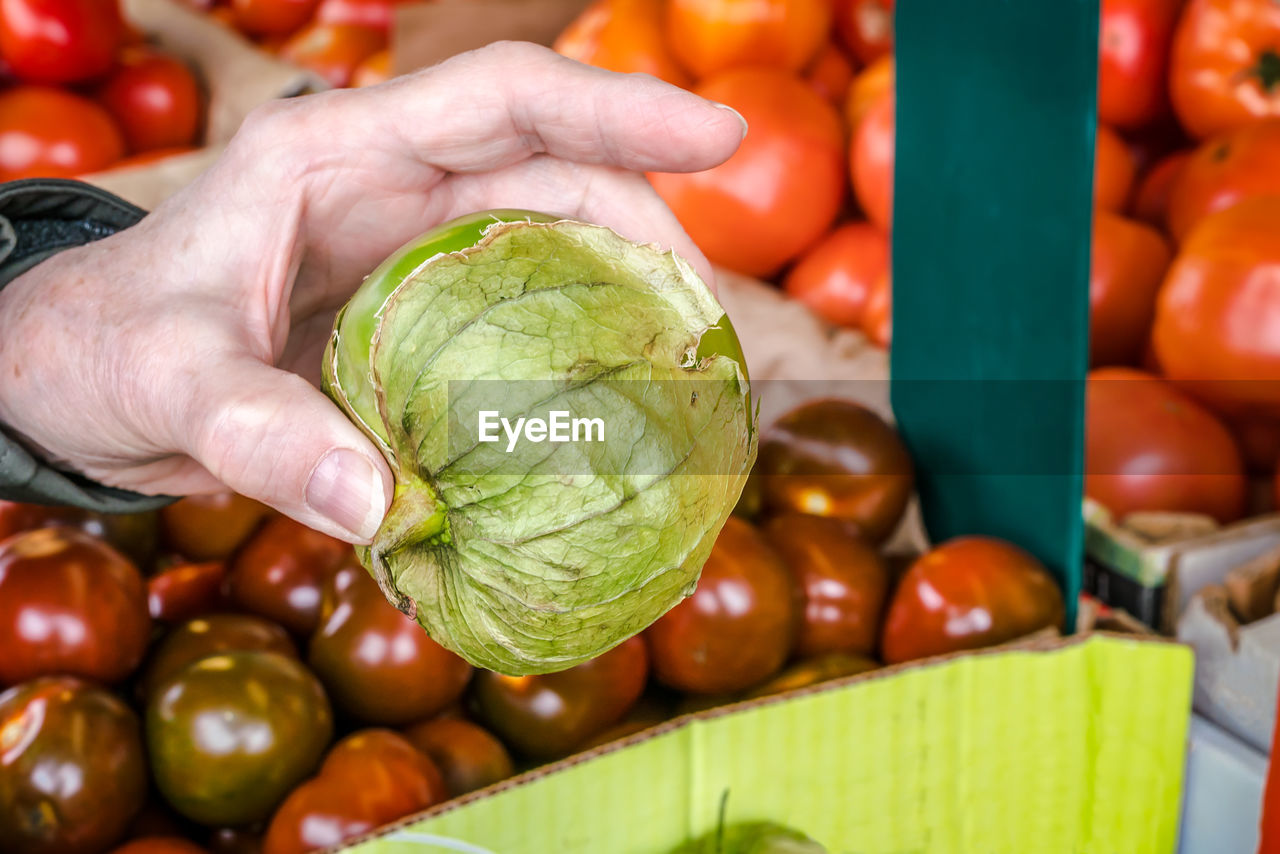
x,y
1156,527
1251,587
427,33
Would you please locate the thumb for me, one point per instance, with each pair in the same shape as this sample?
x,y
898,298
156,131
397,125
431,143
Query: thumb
x,y
270,435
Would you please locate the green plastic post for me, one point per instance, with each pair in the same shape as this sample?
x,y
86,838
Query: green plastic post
x,y
996,106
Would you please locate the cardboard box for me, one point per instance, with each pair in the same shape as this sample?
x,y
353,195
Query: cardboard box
x,y
1223,803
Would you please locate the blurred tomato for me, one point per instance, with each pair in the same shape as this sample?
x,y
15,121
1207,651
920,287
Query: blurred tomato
x,y
1259,440
378,665
552,714
877,315
376,14
867,88
59,41
1114,170
1217,328
834,457
1133,58
373,69
132,534
231,734
51,133
835,277
16,517
212,635
843,582
1149,447
155,819
625,36
234,840
866,27
72,773
155,99
738,626
1128,264
160,845
967,593
812,671
210,527
1151,201
1236,165
281,572
272,17
186,590
1225,68
710,36
830,74
333,50
871,161
751,214
468,756
69,604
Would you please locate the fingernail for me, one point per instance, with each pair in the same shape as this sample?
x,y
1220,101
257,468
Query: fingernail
x,y
736,113
346,489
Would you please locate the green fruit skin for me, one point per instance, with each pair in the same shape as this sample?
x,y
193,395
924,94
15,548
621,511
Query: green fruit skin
x,y
230,735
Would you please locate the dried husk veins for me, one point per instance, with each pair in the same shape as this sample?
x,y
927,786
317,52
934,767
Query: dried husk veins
x,y
537,566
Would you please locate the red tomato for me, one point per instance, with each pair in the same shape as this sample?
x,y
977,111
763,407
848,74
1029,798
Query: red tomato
x,y
1239,164
1151,201
155,99
866,27
1259,441
59,41
967,593
877,315
333,50
1217,328
1114,169
16,517
387,757
625,36
752,214
373,70
867,88
186,590
871,161
1225,68
737,628
466,754
211,527
1149,447
830,74
69,604
1128,265
160,845
710,36
361,13
1133,58
835,277
49,133
272,17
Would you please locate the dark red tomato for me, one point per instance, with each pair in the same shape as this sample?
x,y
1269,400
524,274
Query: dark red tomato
x,y
133,534
837,458
59,41
835,277
1151,201
72,772
212,635
186,590
234,840
1149,446
272,17
378,665
69,604
802,674
389,761
967,593
843,581
553,714
866,27
334,51
16,518
739,625
1133,60
376,14
211,527
468,755
1259,441
281,572
1128,263
155,99
155,819
51,133
160,845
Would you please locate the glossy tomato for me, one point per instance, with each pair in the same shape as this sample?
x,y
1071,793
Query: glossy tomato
x,y
843,582
468,756
867,88
710,36
737,628
132,534
51,133
1128,264
378,665
281,572
59,41
1114,170
271,17
373,70
871,161
749,214
1151,201
967,593
837,458
390,758
155,99
1217,328
1236,165
866,26
1225,67
72,772
1148,446
830,74
625,36
211,635
69,604
1133,60
16,517
210,527
333,51
835,277
160,845
552,714
877,315
231,734
186,590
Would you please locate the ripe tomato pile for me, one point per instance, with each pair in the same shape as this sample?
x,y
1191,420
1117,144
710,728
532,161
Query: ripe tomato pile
x,y
217,678
82,92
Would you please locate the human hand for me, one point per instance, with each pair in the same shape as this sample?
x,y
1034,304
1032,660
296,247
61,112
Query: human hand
x,y
182,355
